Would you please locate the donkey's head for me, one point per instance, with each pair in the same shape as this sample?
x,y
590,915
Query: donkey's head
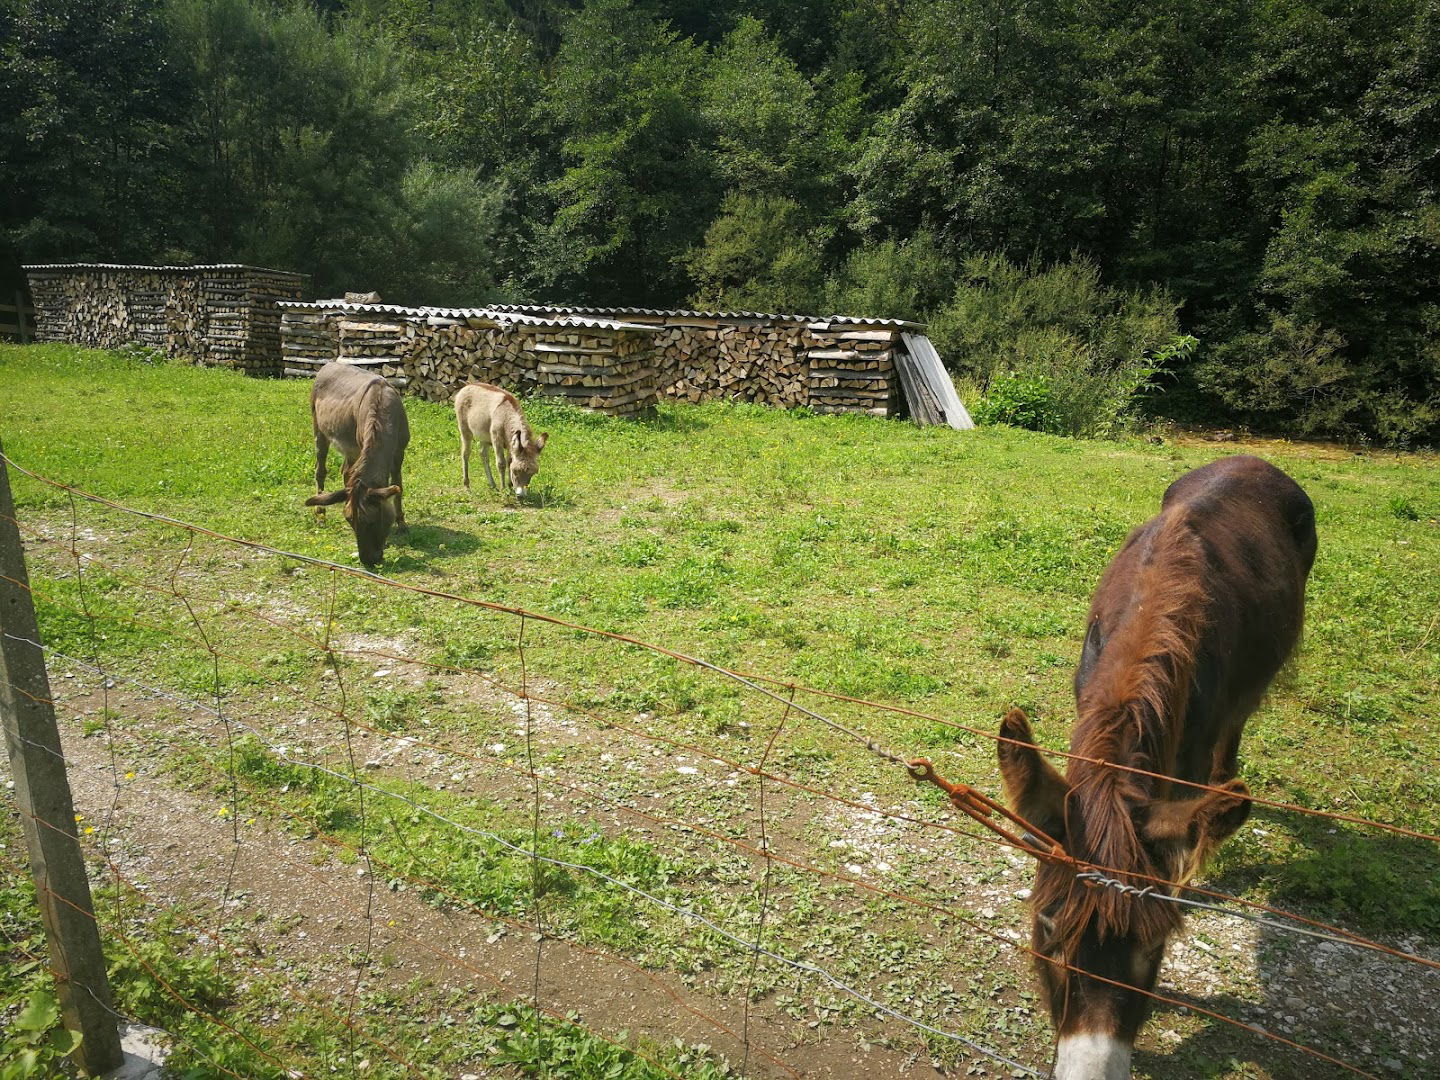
x,y
1098,950
525,450
371,513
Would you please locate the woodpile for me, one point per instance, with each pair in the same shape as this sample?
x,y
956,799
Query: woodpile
x,y
831,364
444,352
609,371
702,359
615,360
853,370
222,315
309,338
596,364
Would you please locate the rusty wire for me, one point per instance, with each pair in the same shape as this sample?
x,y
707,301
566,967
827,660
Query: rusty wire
x,y
1002,836
753,682
852,881
961,796
1307,1050
855,882
971,800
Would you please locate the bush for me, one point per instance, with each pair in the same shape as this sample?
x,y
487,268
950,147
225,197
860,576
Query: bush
x,y
893,280
1299,377
1053,349
1023,401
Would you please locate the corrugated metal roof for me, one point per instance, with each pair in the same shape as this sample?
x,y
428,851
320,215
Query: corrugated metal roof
x,y
679,313
504,316
140,266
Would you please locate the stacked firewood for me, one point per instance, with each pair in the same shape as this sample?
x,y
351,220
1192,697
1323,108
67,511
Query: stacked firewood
x,y
444,352
223,315
89,307
264,288
852,370
309,338
700,359
609,371
184,319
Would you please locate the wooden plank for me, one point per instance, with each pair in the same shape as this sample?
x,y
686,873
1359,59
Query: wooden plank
x,y
849,373
938,380
921,404
552,347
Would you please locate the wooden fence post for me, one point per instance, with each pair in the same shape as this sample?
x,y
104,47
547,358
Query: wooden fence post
x,y
47,811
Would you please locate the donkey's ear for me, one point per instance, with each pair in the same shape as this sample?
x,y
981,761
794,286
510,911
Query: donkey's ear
x,y
382,492
541,440
1035,789
326,498
1202,823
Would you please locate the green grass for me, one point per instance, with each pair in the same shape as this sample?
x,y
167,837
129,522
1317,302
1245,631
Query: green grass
x,y
947,572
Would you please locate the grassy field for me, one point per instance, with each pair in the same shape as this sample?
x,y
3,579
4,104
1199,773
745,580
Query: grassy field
x,y
944,572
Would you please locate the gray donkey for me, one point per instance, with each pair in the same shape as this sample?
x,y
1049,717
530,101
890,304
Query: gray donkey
x,y
361,414
493,416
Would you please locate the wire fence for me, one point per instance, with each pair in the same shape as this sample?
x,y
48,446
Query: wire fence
x,y
370,798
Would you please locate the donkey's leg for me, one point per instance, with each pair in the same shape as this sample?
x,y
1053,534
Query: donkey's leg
x,y
1225,760
464,456
485,456
322,450
400,525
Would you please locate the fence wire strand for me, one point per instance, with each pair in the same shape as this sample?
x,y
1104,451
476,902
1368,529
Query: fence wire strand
x,y
754,950
854,882
1340,934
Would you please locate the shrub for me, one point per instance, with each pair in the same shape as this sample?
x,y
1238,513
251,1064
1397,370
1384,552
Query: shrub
x,y
1305,379
1023,401
893,280
1052,348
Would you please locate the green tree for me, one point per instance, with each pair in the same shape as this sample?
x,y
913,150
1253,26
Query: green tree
x,y
637,189
87,168
299,142
759,255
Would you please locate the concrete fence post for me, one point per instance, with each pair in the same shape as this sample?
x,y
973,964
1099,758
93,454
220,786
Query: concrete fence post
x,y
47,812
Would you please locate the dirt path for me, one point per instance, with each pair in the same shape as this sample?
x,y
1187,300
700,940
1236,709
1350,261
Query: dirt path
x,y
302,907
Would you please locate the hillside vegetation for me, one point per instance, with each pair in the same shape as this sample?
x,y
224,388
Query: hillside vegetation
x,y
1267,170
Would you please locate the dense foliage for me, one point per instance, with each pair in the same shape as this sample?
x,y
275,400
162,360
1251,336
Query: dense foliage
x,y
1268,169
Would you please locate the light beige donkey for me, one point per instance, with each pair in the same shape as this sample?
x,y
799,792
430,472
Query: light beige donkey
x,y
493,416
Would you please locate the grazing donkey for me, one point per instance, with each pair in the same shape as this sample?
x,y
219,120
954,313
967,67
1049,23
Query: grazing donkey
x,y
1191,621
361,414
492,415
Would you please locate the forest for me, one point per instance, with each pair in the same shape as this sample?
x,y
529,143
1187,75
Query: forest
x,y
1238,200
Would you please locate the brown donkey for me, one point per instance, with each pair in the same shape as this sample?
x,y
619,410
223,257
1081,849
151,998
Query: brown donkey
x,y
1191,621
362,414
493,416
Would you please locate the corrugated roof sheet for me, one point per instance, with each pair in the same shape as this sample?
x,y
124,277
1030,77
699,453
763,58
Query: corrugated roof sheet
x,y
680,313
140,266
504,316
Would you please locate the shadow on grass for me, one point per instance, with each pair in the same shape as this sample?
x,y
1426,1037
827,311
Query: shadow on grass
x,y
682,421
1353,1004
1368,881
421,544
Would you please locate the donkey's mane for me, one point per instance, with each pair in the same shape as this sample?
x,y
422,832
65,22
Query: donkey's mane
x,y
369,433
1132,712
